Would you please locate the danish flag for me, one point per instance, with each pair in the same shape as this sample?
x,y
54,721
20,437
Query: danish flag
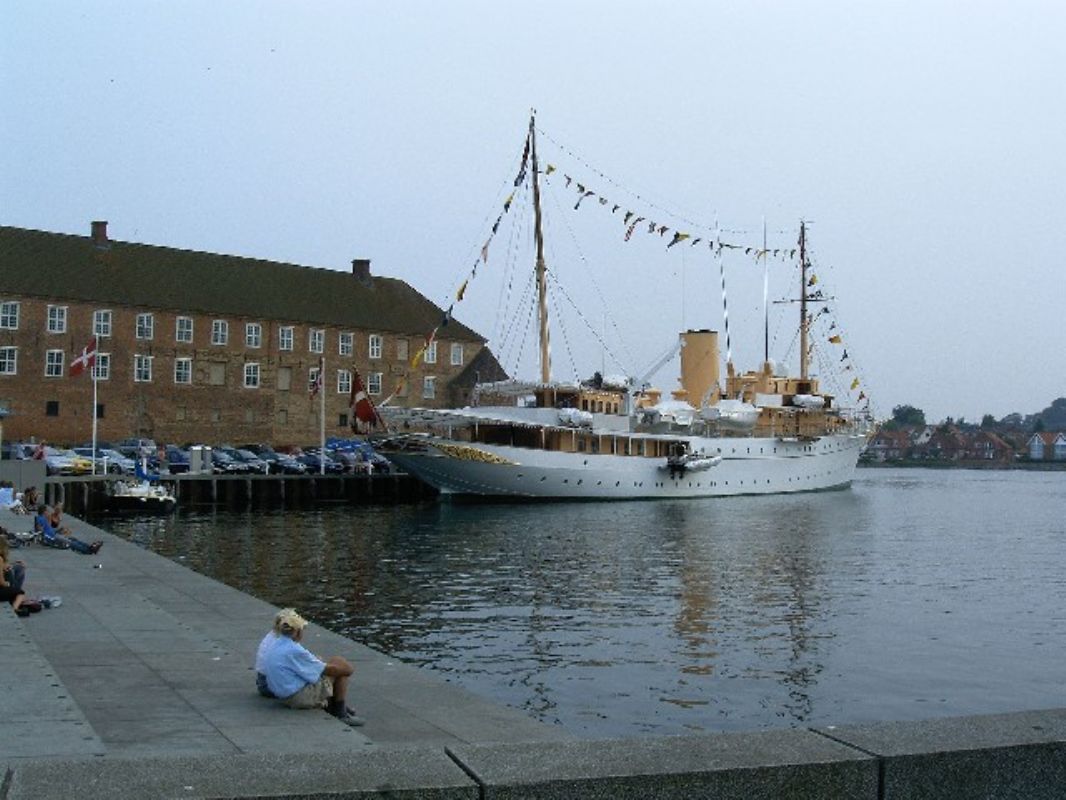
x,y
361,404
86,360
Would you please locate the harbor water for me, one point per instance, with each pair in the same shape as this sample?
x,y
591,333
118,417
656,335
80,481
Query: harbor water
x,y
912,594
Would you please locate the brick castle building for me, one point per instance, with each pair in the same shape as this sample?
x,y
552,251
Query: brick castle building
x,y
201,347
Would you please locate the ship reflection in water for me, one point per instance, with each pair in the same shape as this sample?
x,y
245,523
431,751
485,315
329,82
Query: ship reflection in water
x,y
911,595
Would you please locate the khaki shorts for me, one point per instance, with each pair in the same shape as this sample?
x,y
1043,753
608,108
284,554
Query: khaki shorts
x,y
313,695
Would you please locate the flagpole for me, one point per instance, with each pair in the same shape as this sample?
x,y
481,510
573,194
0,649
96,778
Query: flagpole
x,y
322,416
93,368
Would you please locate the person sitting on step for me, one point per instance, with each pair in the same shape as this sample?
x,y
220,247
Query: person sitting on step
x,y
9,592
300,679
52,538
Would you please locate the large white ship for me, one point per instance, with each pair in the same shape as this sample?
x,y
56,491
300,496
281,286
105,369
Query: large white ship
x,y
749,433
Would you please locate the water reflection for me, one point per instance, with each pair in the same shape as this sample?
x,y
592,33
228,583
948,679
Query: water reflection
x,y
631,618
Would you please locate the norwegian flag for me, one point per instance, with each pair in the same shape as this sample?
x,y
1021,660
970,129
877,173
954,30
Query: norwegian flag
x,y
361,404
87,359
316,383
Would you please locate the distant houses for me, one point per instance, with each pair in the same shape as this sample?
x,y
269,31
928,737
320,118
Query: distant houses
x,y
1047,446
957,445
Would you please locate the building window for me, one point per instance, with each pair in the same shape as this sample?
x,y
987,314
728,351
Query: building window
x,y
342,421
219,331
285,337
431,353
102,367
9,315
251,376
142,369
102,323
344,345
373,383
344,381
99,410
375,346
312,381
429,387
9,360
182,370
316,342
183,329
457,355
51,408
253,334
57,319
53,364
145,326
401,349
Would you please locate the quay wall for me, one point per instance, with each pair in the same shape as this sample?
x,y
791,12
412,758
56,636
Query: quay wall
x,y
88,494
1009,756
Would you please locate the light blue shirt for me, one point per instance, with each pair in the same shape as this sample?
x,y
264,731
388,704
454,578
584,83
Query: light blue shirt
x,y
290,666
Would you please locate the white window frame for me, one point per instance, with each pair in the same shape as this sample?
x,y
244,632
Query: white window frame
x,y
102,367
345,344
373,383
183,371
431,353
375,345
9,315
457,354
344,381
145,327
219,332
183,329
429,387
53,363
9,361
142,368
253,334
316,340
57,319
286,337
102,323
251,375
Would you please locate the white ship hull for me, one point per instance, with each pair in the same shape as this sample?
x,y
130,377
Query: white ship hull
x,y
749,466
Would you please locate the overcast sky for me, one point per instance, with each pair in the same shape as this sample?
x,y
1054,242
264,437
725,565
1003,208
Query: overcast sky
x,y
925,141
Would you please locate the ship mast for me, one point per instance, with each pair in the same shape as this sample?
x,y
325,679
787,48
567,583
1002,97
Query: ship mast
x,y
804,322
542,285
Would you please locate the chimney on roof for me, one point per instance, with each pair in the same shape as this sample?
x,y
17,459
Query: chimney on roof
x,y
99,234
361,271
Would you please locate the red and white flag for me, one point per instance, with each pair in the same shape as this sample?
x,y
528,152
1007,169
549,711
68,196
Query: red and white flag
x,y
361,404
316,381
87,359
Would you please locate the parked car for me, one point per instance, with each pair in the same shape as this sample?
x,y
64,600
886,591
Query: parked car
x,y
314,462
287,465
225,464
108,460
178,461
142,447
249,459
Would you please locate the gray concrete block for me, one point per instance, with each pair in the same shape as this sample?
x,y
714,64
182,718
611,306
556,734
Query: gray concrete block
x,y
1001,756
777,764
413,774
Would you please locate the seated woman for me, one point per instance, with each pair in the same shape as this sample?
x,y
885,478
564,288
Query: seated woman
x,y
8,592
53,538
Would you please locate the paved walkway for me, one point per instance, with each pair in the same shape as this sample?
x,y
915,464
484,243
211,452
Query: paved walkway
x,y
147,658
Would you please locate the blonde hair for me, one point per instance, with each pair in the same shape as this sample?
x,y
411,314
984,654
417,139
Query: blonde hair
x,y
288,621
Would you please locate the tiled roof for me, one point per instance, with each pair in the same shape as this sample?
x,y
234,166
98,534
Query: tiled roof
x,y
73,268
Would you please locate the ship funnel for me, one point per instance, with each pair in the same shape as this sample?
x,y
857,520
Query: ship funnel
x,y
699,366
